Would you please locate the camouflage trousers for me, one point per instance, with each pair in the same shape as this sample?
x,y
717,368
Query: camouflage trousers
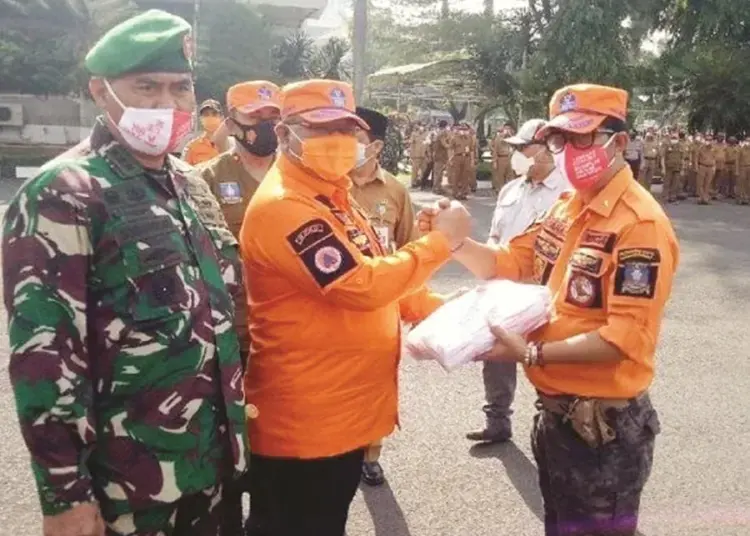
x,y
199,514
594,491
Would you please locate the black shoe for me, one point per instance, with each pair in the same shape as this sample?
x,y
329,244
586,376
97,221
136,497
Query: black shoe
x,y
372,473
490,436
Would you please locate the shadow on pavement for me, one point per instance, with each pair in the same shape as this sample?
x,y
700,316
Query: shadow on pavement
x,y
521,472
387,516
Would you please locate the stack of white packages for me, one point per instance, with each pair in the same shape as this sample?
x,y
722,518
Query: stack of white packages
x,y
459,331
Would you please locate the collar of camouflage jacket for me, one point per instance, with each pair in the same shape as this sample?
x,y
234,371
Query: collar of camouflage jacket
x,y
122,161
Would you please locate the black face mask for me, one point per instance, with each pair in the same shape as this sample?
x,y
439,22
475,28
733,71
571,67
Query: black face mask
x,y
264,142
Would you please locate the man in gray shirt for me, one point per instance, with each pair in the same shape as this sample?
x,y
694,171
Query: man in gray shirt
x,y
519,203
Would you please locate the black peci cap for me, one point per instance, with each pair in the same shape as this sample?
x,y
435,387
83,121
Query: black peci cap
x,y
377,121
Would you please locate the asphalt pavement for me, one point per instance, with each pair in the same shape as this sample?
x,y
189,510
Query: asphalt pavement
x,y
439,485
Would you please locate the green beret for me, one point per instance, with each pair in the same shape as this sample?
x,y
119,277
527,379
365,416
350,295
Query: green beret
x,y
154,41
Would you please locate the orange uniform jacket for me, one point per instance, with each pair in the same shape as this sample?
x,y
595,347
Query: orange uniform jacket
x,y
200,149
325,316
610,267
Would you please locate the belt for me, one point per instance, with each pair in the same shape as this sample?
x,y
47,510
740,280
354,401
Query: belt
x,y
706,165
650,158
562,405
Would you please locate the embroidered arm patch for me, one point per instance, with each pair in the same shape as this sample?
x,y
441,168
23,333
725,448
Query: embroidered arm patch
x,y
325,257
637,272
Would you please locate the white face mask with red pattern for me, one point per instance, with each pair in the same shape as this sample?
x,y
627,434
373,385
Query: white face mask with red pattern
x,y
151,131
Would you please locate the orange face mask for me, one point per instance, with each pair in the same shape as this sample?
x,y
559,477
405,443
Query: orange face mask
x,y
210,123
330,157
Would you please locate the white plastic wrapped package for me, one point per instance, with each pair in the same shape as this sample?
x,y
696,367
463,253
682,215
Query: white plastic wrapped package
x,y
459,331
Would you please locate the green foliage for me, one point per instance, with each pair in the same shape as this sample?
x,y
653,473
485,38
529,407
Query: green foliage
x,y
234,46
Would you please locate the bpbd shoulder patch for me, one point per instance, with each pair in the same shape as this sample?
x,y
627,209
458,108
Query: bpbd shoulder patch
x,y
308,234
325,257
637,272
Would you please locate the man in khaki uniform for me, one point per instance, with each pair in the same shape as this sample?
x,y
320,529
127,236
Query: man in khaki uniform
x,y
418,155
473,171
743,173
386,201
650,160
720,156
440,156
235,175
502,171
705,160
688,165
463,153
729,185
671,167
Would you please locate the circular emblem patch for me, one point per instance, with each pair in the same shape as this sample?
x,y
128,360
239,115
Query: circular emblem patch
x,y
328,259
581,290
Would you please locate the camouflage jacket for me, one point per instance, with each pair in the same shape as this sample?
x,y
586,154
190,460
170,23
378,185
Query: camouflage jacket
x,y
393,150
124,363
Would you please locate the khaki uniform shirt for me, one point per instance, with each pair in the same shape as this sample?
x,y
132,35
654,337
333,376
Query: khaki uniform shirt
x,y
499,148
720,154
672,155
441,146
705,155
650,149
462,144
386,201
418,145
743,156
232,186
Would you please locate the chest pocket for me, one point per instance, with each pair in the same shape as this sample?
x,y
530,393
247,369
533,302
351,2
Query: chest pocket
x,y
586,278
140,271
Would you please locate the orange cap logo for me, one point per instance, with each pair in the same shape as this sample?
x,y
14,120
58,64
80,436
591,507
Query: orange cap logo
x,y
568,102
338,98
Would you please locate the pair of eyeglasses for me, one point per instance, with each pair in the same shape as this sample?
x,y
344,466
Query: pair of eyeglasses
x,y
557,141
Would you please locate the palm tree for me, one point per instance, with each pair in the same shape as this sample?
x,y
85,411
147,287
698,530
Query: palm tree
x,y
293,55
328,60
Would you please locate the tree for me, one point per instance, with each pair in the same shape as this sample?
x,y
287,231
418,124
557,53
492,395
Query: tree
x,y
235,45
43,42
329,62
292,57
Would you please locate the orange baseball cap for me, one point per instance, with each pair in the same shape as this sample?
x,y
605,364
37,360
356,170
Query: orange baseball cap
x,y
319,102
582,108
249,97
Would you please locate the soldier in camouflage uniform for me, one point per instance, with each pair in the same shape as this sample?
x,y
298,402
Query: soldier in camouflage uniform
x,y
393,149
124,361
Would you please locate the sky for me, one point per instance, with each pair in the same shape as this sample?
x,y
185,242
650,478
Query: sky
x,y
333,19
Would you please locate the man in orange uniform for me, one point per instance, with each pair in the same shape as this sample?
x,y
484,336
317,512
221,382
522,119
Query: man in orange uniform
x,y
203,147
608,254
234,176
326,304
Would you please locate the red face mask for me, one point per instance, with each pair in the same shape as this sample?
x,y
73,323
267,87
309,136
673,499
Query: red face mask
x,y
583,167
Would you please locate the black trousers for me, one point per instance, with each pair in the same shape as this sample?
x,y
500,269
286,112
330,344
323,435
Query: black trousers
x,y
293,497
635,167
594,491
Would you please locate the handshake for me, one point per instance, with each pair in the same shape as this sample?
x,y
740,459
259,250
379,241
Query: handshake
x,y
447,217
